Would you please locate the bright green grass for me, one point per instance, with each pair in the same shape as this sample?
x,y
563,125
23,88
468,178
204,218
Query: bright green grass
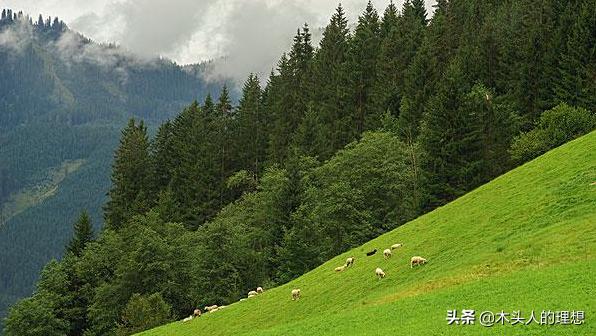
x,y
524,241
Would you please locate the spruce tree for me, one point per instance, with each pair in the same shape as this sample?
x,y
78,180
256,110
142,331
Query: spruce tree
x,y
330,92
83,234
129,194
575,83
364,52
251,139
451,139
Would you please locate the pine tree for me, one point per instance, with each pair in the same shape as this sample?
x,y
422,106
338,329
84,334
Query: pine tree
x,y
225,128
251,139
424,71
451,139
364,50
163,159
83,234
575,82
290,94
128,195
330,83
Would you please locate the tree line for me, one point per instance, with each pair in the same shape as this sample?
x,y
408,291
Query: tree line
x,y
347,140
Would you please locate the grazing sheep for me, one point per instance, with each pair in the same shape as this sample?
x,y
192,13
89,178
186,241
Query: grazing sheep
x,y
417,261
221,307
368,254
340,268
210,308
259,290
214,310
379,272
387,253
188,318
197,312
350,261
394,246
295,294
243,299
252,293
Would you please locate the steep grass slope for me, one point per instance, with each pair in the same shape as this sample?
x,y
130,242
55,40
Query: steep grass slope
x,y
524,241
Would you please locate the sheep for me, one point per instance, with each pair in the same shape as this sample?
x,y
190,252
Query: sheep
x,y
394,246
368,254
243,299
210,308
417,261
197,312
221,307
188,318
252,293
387,254
259,290
350,261
295,294
379,272
214,310
340,268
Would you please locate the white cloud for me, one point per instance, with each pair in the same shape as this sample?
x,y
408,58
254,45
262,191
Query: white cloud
x,y
247,35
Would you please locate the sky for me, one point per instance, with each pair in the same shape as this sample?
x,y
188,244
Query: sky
x,y
243,36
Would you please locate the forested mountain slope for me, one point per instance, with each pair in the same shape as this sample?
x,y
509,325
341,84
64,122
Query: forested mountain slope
x,y
525,241
63,101
347,140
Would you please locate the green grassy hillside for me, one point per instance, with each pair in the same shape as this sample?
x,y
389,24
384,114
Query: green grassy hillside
x,y
524,241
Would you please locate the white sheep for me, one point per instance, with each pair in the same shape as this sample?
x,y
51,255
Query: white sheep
x,y
210,308
350,261
252,293
387,253
188,318
417,261
197,312
214,310
394,246
243,299
340,268
295,294
379,272
259,290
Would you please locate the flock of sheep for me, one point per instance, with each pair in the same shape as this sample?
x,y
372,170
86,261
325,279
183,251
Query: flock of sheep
x,y
379,273
414,261
214,308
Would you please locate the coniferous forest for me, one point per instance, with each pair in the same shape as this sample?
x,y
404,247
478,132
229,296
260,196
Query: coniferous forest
x,y
345,140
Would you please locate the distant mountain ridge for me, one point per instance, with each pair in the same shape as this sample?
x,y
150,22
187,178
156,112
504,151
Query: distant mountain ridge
x,y
63,99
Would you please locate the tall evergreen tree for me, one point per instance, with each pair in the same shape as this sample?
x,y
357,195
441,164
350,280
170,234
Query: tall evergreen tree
x,y
129,195
451,139
83,234
251,137
575,83
330,93
364,52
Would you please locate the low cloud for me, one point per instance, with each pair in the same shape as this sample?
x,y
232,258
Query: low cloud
x,y
239,36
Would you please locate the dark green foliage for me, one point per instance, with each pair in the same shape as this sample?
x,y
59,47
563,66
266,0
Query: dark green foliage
x,y
130,177
330,74
83,234
555,127
344,143
251,136
142,313
364,190
362,64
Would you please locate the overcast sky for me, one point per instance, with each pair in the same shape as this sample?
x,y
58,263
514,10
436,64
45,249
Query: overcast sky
x,y
250,34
